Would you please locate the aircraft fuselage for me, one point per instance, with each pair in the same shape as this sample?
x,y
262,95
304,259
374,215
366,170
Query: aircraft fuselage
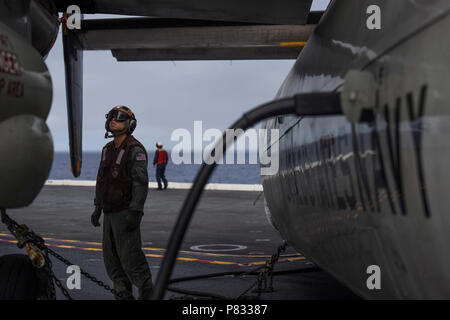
x,y
352,195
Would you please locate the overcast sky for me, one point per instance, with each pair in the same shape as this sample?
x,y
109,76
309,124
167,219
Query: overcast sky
x,y
163,95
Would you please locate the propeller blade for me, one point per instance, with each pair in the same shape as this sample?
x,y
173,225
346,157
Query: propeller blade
x,y
73,63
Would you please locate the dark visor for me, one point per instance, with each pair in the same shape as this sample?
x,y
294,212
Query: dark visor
x,y
118,115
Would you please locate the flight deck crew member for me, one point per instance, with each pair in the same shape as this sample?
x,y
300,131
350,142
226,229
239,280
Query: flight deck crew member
x,y
121,191
160,160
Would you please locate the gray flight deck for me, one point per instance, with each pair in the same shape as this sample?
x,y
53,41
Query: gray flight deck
x,y
230,225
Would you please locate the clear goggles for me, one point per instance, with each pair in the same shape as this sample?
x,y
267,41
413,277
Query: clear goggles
x,y
117,115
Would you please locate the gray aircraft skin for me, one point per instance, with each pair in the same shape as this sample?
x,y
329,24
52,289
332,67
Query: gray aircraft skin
x,y
352,195
26,93
348,194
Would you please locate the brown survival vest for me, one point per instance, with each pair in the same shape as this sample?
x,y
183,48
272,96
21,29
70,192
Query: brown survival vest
x,y
114,182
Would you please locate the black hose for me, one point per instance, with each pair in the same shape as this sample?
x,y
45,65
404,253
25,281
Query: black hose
x,y
221,274
240,273
215,275
302,105
198,293
205,276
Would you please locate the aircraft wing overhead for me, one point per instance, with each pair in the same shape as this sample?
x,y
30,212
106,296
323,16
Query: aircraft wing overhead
x,y
138,39
180,30
253,11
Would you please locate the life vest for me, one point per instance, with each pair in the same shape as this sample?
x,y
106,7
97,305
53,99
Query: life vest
x,y
114,181
162,156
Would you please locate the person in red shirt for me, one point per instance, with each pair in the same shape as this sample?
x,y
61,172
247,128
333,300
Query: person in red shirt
x,y
160,160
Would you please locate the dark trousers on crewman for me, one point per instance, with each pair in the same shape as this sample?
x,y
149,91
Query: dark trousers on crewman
x,y
124,259
160,175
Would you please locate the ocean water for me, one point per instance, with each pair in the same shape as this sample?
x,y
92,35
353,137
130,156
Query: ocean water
x,y
224,173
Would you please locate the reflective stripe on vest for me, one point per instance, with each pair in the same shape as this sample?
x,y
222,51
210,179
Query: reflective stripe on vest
x,y
119,157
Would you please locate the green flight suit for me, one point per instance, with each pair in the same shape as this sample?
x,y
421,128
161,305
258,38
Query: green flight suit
x,y
124,259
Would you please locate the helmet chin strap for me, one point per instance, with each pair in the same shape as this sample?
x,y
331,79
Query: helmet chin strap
x,y
115,134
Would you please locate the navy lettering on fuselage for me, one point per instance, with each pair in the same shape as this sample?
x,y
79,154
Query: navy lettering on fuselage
x,y
380,180
393,118
415,119
323,174
394,143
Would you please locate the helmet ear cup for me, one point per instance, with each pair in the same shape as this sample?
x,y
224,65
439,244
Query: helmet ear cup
x,y
107,125
132,126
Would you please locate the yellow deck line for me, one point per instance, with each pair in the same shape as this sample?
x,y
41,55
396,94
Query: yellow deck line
x,y
161,249
159,255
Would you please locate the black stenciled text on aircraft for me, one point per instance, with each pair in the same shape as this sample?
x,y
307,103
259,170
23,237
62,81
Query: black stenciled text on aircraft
x,y
369,173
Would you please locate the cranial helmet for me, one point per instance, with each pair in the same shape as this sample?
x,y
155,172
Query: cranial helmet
x,y
120,114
